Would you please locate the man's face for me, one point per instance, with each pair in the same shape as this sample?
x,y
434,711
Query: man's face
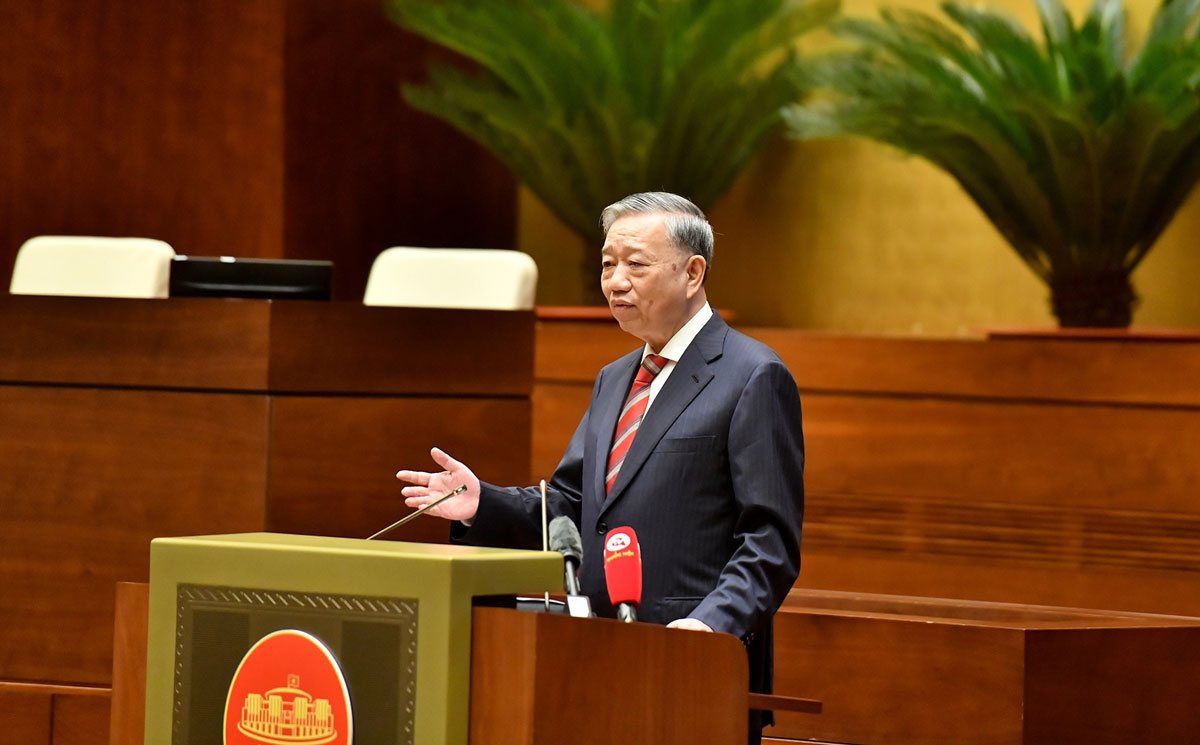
x,y
649,283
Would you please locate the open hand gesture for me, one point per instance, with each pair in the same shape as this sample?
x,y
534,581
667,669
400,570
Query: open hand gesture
x,y
428,487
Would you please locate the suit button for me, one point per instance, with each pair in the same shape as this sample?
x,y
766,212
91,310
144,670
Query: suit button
x,y
602,528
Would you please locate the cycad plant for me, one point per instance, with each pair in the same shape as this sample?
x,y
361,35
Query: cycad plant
x,y
587,105
1078,152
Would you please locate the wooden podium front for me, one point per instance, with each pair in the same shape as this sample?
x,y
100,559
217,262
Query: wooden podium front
x,y
539,679
123,420
529,678
542,679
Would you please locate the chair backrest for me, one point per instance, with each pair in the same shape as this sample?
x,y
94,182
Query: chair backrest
x,y
476,278
92,267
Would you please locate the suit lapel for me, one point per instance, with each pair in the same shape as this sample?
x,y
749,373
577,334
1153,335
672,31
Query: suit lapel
x,y
691,374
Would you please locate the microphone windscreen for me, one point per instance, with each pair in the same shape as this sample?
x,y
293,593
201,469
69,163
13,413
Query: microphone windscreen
x,y
623,566
564,538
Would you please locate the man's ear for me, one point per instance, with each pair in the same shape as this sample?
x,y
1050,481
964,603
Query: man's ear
x,y
694,269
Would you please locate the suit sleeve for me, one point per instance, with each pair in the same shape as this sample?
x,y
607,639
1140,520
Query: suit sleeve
x,y
766,461
511,516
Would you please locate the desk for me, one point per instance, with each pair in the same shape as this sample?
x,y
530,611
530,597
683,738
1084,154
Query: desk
x,y
900,670
123,420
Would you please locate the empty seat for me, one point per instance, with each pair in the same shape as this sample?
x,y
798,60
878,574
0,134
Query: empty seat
x,y
92,267
475,278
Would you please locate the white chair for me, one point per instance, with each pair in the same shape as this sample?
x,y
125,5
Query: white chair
x,y
92,267
475,278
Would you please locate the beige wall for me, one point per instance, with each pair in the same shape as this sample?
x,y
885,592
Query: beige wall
x,y
847,235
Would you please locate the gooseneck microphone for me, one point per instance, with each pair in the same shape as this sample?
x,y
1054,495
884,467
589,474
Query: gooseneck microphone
x,y
564,538
623,572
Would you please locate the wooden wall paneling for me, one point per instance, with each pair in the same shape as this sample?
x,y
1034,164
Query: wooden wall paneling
x,y
334,459
81,719
568,357
1154,372
144,118
88,477
576,350
37,714
364,171
1147,371
868,568
1098,458
557,410
25,716
183,343
352,348
127,722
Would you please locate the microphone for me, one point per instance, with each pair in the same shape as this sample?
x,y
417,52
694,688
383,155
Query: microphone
x,y
623,572
564,538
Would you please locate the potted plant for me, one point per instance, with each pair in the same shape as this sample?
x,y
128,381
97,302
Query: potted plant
x,y
588,105
1078,152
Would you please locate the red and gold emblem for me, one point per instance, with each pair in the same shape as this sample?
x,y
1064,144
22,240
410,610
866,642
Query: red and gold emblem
x,y
288,690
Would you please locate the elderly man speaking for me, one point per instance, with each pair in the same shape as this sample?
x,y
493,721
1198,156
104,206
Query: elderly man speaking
x,y
693,440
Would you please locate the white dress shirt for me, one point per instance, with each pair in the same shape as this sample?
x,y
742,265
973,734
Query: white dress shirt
x,y
675,348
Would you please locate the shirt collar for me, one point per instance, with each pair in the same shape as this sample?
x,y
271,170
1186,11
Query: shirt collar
x,y
682,339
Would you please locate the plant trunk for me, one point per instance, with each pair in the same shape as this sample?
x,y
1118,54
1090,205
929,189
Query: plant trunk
x,y
1092,300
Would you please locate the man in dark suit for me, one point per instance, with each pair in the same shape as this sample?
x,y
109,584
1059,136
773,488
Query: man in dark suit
x,y
693,440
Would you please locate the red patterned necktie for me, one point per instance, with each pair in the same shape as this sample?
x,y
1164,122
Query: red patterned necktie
x,y
631,415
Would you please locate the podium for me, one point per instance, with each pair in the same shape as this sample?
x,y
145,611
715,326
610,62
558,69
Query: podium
x,y
420,664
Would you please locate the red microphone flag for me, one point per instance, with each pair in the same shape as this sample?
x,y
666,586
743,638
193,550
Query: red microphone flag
x,y
623,566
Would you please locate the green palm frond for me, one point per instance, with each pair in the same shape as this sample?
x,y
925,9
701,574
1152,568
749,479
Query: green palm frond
x,y
587,106
1077,151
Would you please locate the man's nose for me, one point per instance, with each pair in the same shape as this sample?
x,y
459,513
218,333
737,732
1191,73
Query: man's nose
x,y
618,280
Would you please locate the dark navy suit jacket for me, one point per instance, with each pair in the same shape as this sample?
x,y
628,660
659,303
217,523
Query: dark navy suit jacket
x,y
712,485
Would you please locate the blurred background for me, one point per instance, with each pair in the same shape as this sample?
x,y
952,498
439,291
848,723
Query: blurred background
x,y
276,129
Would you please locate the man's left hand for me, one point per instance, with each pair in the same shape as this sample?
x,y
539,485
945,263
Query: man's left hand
x,y
688,623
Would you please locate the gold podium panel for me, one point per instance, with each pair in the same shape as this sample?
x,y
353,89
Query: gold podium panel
x,y
394,619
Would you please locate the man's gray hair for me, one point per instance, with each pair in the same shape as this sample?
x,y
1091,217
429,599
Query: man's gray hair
x,y
687,227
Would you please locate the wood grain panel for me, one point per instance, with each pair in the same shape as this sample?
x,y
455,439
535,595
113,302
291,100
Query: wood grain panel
x,y
80,720
1002,581
1111,458
1135,371
503,671
352,348
334,460
1146,371
127,723
576,350
25,716
557,410
899,680
88,477
680,687
914,671
181,343
144,118
1148,693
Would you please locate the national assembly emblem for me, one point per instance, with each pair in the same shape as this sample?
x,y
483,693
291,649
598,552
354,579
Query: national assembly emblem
x,y
288,690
